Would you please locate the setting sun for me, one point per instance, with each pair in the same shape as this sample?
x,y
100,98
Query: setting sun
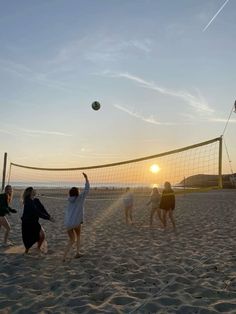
x,y
154,168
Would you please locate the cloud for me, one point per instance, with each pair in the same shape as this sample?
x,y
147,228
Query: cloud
x,y
188,116
137,115
195,101
142,45
42,132
220,120
97,156
69,51
16,131
112,50
8,132
27,73
99,49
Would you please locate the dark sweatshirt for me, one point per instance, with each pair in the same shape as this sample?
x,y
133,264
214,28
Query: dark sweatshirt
x,y
4,206
167,200
33,210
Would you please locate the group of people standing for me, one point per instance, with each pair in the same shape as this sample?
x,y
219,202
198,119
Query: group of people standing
x,y
161,205
32,231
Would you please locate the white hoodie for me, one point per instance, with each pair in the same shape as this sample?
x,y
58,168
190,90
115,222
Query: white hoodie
x,y
74,214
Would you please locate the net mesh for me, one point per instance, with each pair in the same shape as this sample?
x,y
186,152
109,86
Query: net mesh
x,y
193,167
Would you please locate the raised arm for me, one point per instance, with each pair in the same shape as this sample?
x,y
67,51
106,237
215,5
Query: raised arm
x,y
87,185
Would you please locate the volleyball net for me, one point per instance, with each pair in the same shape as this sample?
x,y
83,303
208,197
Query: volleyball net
x,y
188,168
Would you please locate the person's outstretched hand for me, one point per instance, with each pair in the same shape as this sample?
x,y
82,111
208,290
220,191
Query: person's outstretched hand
x,y
85,175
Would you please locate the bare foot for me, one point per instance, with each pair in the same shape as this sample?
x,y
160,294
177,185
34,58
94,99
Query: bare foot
x,y
78,255
8,243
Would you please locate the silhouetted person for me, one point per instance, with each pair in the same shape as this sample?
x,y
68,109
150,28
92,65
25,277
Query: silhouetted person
x,y
168,203
5,209
128,201
155,202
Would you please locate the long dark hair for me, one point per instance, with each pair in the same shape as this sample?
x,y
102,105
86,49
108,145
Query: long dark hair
x,y
74,191
167,186
27,193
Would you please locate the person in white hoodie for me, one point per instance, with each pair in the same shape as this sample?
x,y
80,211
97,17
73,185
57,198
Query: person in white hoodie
x,y
74,216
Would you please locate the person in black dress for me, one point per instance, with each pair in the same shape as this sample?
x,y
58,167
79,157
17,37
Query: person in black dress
x,y
32,231
167,203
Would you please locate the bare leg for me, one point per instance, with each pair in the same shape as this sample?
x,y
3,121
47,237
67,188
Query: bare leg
x,y
159,212
164,218
151,216
126,215
78,232
172,218
70,243
41,238
131,214
6,225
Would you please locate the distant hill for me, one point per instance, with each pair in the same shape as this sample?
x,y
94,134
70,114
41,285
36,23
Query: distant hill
x,y
207,180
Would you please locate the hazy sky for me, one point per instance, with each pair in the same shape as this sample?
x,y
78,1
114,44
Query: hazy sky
x,y
163,77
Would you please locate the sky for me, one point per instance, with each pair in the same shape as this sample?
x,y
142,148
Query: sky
x,y
162,70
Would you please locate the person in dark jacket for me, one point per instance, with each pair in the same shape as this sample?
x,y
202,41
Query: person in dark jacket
x,y
5,209
167,203
32,231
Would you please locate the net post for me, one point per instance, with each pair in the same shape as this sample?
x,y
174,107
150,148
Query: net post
x,y
9,175
4,171
220,181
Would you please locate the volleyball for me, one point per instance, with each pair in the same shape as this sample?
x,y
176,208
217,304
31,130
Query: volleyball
x,y
96,105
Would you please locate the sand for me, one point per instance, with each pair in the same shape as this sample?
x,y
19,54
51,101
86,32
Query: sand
x,y
128,269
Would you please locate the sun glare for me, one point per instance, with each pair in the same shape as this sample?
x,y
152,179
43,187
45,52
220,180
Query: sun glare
x,y
154,168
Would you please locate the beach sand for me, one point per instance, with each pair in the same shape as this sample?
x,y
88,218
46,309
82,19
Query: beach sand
x,y
128,269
